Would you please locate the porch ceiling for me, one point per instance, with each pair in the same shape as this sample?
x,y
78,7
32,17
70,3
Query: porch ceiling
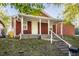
x,y
37,18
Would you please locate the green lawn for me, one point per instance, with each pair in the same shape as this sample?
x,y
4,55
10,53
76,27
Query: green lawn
x,y
28,47
72,40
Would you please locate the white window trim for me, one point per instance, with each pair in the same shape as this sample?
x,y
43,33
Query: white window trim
x,y
26,26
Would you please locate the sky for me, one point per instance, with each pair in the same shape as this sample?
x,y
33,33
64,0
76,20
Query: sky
x,y
11,11
55,11
51,10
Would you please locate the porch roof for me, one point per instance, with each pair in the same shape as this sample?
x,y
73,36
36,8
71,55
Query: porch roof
x,y
41,17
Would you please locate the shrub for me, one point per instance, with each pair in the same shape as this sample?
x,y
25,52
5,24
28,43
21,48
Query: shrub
x,y
11,34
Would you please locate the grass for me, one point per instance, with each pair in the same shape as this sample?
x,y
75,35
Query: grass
x,y
28,47
74,41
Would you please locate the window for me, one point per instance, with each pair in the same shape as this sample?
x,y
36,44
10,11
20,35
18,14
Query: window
x,y
25,25
77,31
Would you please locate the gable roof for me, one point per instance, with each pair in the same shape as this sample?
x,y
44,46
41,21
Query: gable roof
x,y
45,13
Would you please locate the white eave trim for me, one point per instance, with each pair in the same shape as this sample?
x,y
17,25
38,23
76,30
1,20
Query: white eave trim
x,y
39,17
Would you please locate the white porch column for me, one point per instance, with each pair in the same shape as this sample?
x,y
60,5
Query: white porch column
x,y
56,28
62,29
48,26
40,27
22,26
14,27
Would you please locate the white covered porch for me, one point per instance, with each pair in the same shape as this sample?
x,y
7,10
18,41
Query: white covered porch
x,y
36,29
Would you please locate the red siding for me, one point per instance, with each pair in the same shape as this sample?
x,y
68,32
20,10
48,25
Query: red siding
x,y
59,28
44,28
28,31
67,29
18,27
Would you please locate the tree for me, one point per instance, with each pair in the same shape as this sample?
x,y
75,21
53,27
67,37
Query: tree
x,y
4,18
71,12
27,8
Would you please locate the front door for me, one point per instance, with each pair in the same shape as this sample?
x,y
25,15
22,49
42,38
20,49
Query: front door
x,y
34,27
18,27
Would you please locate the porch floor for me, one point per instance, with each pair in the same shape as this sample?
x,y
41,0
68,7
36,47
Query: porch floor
x,y
32,36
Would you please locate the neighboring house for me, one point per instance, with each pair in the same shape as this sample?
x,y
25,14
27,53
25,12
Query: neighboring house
x,y
39,25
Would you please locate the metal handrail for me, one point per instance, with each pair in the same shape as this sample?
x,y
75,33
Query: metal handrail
x,y
69,45
62,39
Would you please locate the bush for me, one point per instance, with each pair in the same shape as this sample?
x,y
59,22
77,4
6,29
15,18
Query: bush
x,y
11,34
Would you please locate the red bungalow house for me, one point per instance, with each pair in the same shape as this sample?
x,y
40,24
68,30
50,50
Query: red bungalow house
x,y
33,26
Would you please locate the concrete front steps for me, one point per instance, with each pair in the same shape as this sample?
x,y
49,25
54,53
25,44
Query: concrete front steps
x,y
62,46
